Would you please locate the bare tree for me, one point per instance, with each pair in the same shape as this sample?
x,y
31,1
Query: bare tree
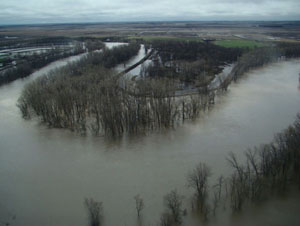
x,y
139,204
239,183
173,202
166,219
95,211
252,161
217,191
216,201
198,179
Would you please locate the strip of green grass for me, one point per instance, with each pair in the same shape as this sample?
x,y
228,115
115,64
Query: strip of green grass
x,y
239,43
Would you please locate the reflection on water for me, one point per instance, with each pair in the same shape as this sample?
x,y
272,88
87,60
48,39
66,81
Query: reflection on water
x,y
46,173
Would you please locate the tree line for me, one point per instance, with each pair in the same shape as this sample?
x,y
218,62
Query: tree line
x,y
191,50
259,57
289,49
256,58
110,58
269,169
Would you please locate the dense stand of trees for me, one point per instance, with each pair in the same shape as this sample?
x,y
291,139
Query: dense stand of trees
x,y
190,62
93,100
190,51
198,73
92,45
110,58
289,49
86,96
268,170
253,59
261,56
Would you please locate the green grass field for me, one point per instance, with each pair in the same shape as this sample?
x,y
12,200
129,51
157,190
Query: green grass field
x,y
239,43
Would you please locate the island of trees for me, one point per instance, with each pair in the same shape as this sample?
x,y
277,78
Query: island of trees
x,y
89,95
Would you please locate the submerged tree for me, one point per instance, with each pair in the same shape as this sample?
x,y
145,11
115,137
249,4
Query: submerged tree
x,y
198,180
173,203
139,204
94,210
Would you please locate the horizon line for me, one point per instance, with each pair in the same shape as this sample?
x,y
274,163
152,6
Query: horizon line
x,y
141,21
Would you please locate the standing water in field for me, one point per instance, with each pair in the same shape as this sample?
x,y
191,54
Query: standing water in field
x,y
46,173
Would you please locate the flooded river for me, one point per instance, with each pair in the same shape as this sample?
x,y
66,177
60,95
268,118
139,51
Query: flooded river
x,y
46,173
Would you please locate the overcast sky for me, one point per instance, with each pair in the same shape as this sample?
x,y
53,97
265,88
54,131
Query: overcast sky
x,y
66,11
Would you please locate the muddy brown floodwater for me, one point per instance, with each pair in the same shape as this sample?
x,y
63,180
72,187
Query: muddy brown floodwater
x,y
45,174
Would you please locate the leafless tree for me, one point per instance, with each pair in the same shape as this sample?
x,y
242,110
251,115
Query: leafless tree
x,y
217,191
166,219
95,211
173,202
139,204
198,179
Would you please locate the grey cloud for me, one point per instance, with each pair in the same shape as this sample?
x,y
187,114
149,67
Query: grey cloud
x,y
32,11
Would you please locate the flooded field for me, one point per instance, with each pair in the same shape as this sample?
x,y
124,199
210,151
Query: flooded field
x,y
46,173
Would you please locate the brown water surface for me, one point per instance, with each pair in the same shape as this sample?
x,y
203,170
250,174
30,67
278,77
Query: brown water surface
x,y
45,174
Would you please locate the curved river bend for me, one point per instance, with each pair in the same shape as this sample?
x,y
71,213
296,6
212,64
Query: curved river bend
x,y
46,173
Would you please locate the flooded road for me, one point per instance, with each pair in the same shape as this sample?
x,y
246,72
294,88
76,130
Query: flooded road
x,y
46,173
136,71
